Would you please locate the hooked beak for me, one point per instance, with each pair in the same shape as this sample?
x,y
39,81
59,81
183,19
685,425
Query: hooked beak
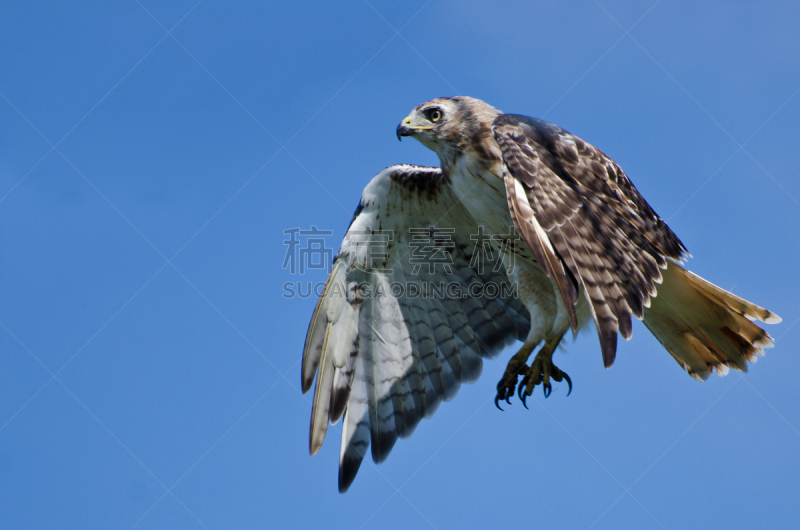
x,y
404,130
407,129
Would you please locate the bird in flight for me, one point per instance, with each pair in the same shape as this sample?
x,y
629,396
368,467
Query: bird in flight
x,y
524,232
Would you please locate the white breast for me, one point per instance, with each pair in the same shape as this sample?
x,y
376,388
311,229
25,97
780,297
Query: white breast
x,y
482,190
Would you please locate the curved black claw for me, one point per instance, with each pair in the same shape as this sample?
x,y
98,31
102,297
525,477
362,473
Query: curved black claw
x,y
498,398
521,391
505,389
522,386
569,382
497,403
547,389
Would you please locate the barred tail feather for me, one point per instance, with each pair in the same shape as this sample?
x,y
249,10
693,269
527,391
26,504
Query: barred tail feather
x,y
704,327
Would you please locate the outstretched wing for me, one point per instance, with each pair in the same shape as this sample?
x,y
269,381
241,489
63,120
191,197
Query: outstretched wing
x,y
406,315
585,222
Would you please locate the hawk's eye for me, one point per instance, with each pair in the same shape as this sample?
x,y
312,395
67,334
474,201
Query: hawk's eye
x,y
434,115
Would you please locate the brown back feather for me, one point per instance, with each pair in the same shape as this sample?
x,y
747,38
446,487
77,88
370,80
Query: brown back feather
x,y
601,229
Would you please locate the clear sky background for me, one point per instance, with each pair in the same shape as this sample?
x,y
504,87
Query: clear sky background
x,y
152,154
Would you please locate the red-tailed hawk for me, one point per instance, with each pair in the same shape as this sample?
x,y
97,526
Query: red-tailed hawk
x,y
410,308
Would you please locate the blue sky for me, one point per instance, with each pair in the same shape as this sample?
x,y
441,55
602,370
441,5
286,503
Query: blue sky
x,y
151,156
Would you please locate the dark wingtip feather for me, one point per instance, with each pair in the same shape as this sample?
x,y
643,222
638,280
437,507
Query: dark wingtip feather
x,y
347,472
625,327
608,345
382,444
338,403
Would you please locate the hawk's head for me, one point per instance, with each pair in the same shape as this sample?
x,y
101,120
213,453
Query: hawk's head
x,y
449,126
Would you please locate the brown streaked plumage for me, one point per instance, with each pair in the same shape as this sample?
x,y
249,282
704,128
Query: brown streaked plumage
x,y
606,234
591,248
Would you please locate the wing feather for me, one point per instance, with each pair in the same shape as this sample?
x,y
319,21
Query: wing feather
x,y
586,209
533,234
384,361
356,428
